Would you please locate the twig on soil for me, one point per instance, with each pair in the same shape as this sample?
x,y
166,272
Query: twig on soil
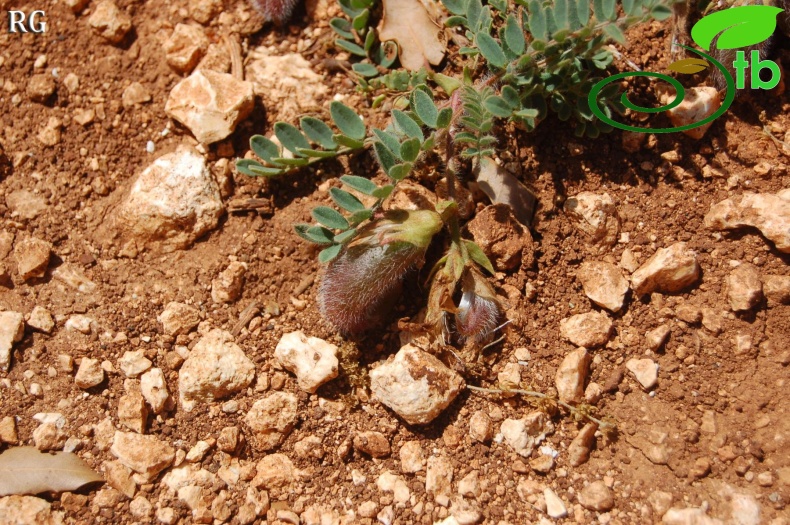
x,y
245,317
234,50
622,57
306,283
540,395
783,146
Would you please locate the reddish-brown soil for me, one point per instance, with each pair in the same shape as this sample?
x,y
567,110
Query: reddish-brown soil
x,y
701,374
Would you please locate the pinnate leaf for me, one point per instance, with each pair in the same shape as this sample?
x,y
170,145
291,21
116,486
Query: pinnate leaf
x,y
329,217
318,132
361,184
345,200
290,137
347,121
327,254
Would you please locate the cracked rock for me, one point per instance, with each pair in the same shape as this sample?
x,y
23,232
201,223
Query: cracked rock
x,y
603,284
595,215
146,455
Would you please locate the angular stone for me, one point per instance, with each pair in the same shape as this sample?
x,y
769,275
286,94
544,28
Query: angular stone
x,y
172,202
216,368
32,257
135,94
555,507
668,270
313,360
8,431
146,455
179,318
571,375
25,204
226,288
271,419
119,477
132,412
40,87
776,289
597,496
415,385
412,459
24,510
154,389
89,374
645,371
589,330
41,320
523,434
768,213
439,479
110,22
12,329
603,284
480,427
595,215
656,338
48,436
210,104
744,287
699,103
185,47
274,471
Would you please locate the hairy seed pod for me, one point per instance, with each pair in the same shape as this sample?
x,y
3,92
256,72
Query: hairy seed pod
x,y
278,11
478,312
361,284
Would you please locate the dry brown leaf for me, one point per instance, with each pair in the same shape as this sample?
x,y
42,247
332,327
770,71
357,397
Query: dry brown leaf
x,y
408,23
502,187
25,470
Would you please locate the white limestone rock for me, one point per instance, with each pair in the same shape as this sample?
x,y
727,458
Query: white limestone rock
x,y
669,270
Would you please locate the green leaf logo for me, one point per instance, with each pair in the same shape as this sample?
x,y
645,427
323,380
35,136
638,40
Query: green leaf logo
x,y
738,26
689,66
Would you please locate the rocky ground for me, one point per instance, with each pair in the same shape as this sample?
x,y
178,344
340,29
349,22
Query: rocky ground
x,y
158,315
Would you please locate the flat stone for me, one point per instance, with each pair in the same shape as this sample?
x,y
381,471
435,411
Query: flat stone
x,y
210,104
744,287
415,385
89,374
571,375
669,270
12,329
110,22
596,215
133,363
271,419
32,257
8,430
597,496
178,318
185,47
119,477
226,288
216,368
79,323
412,460
589,330
745,510
172,202
25,204
603,284
146,455
132,412
154,389
645,371
688,516
769,213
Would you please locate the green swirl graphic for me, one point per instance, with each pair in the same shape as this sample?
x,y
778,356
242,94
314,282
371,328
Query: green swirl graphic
x,y
592,98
